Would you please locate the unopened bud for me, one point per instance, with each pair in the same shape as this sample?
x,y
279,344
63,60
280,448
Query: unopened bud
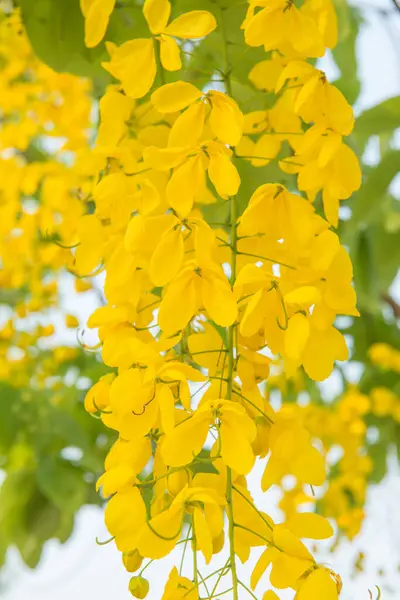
x,y
139,587
132,561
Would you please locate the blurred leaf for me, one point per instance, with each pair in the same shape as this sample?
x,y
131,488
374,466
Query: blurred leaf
x,y
367,204
56,31
378,454
62,483
349,20
383,118
9,421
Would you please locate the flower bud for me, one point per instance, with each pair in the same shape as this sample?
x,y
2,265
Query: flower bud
x,y
132,561
139,587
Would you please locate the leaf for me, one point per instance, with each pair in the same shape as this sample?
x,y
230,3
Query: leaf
x,y
349,20
367,204
366,273
10,411
383,118
61,483
30,549
378,454
56,31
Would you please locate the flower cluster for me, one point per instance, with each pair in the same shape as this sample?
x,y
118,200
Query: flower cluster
x,y
195,311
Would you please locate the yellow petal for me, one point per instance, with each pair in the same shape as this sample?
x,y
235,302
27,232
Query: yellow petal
x,y
219,301
253,317
309,525
184,184
170,54
226,119
296,336
223,175
303,296
96,21
134,64
124,515
175,96
166,402
317,585
163,159
270,595
192,25
286,541
157,13
236,450
262,565
309,466
265,74
167,258
202,534
178,305
188,127
265,28
324,250
186,440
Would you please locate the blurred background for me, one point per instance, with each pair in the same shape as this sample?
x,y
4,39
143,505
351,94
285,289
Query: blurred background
x,y
50,515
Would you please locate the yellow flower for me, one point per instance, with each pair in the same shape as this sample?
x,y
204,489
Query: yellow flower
x,y
318,584
197,287
224,116
278,24
235,429
134,63
71,321
178,587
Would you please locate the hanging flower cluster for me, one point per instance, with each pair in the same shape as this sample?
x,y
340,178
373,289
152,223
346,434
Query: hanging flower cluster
x,y
197,312
45,118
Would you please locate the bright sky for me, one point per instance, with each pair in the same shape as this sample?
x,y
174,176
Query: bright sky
x,y
81,570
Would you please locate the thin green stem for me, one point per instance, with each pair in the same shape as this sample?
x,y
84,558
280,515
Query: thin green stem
x,y
231,333
195,568
248,590
276,262
221,574
184,550
227,68
203,580
253,506
160,68
254,406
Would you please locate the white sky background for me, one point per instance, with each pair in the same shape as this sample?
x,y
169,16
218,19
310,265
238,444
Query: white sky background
x,y
84,571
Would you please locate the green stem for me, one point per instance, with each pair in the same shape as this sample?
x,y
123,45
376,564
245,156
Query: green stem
x,y
213,592
248,590
231,334
195,568
227,68
160,68
184,550
253,506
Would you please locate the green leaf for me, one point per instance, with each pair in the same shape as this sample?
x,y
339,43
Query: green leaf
x,y
56,31
61,483
383,118
378,454
367,204
349,20
10,411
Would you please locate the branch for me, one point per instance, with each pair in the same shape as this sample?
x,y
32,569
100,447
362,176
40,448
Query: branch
x,y
388,299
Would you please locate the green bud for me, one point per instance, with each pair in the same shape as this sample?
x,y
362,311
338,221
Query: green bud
x,y
139,587
132,561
